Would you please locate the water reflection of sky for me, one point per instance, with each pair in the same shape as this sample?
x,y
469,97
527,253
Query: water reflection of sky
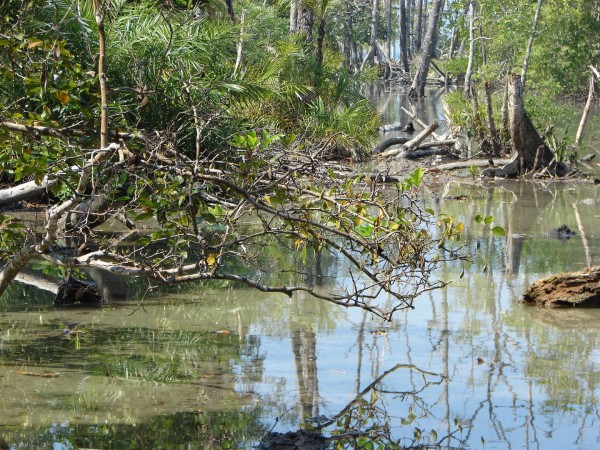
x,y
518,377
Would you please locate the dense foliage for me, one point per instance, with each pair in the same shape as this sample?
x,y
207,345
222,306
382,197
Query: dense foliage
x,y
205,135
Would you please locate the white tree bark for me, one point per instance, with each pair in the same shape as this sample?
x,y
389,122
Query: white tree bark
x,y
469,71
530,43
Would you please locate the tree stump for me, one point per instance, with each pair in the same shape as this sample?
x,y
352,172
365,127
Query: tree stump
x,y
573,289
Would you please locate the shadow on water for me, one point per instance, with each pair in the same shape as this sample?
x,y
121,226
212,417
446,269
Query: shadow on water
x,y
220,366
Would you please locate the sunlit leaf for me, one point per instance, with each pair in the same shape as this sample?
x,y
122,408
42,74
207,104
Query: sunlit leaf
x,y
498,231
211,260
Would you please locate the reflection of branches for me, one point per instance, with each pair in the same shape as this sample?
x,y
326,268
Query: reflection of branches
x,y
373,387
365,421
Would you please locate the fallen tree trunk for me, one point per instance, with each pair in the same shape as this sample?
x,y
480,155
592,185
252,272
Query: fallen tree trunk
x,y
25,191
574,289
410,145
468,163
420,122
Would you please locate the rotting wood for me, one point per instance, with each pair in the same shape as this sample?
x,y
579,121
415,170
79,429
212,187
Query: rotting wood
x,y
412,144
574,289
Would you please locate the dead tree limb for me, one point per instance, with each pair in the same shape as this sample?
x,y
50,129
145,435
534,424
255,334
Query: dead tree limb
x,y
412,144
421,123
587,107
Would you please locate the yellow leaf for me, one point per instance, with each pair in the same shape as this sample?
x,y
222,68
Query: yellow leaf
x,y
298,243
394,226
63,97
459,227
267,199
211,260
34,44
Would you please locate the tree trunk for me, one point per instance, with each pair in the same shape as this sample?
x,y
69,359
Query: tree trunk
x,y
530,153
305,19
293,16
526,142
348,25
230,11
469,71
388,11
530,43
417,89
586,109
419,27
99,14
373,42
403,38
320,38
490,120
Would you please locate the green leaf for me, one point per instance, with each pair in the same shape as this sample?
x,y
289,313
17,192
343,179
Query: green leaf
x,y
488,220
478,218
144,216
498,231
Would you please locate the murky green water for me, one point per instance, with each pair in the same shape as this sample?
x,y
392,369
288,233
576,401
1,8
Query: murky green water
x,y
205,366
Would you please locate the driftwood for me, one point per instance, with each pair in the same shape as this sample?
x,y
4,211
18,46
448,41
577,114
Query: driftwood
x,y
421,123
407,146
574,289
468,163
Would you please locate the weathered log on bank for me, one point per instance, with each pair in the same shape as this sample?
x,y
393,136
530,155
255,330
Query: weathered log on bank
x,y
574,289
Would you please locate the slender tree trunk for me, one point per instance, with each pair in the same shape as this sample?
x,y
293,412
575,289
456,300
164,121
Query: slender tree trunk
x,y
230,11
293,16
417,89
504,114
469,71
320,38
99,15
530,43
373,42
586,109
348,25
404,37
418,32
238,59
388,12
490,120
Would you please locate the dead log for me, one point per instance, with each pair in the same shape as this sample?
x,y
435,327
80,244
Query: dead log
x,y
573,289
420,122
468,163
410,145
396,140
26,191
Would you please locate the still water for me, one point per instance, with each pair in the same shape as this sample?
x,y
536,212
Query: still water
x,y
218,366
